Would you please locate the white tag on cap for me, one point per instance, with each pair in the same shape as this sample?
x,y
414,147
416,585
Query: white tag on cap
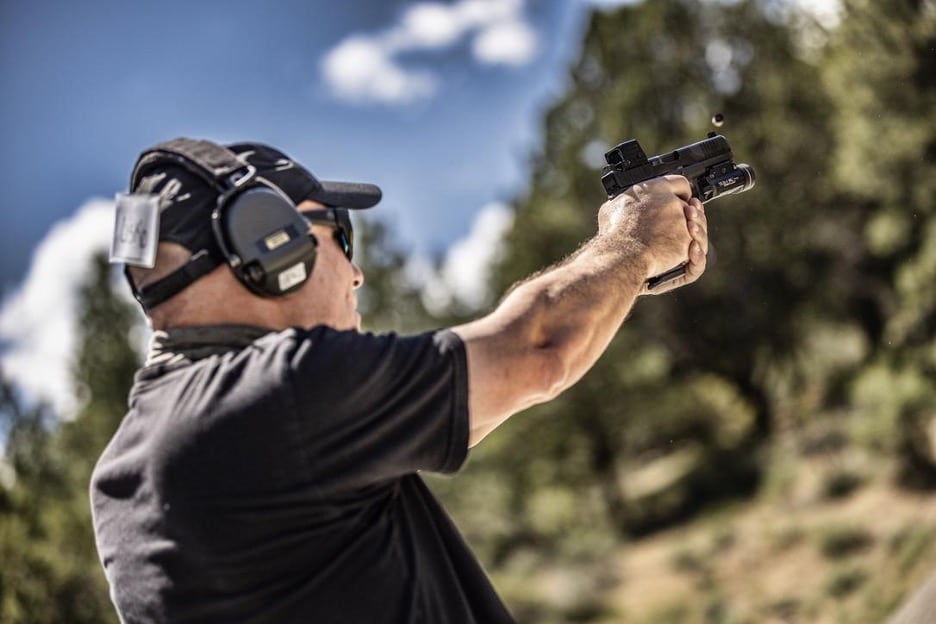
x,y
136,230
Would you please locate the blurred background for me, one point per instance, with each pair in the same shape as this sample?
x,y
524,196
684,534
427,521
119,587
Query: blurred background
x,y
758,447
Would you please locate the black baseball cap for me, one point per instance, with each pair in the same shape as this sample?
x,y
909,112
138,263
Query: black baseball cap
x,y
189,176
188,199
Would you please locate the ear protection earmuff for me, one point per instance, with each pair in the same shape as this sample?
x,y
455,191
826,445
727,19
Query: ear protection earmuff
x,y
260,233
264,238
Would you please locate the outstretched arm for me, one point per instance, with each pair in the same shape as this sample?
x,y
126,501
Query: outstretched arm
x,y
550,329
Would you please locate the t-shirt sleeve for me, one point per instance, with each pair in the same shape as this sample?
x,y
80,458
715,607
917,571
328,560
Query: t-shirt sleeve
x,y
371,407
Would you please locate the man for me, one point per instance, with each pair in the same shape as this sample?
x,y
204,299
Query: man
x,y
267,469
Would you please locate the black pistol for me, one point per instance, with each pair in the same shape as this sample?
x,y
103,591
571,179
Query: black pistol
x,y
708,165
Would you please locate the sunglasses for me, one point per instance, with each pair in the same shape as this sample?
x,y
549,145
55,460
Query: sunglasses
x,y
340,220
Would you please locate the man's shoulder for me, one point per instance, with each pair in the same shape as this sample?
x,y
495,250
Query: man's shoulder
x,y
321,360
347,347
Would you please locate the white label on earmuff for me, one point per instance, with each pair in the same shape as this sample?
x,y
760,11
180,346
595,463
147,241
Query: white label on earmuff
x,y
290,277
136,229
276,239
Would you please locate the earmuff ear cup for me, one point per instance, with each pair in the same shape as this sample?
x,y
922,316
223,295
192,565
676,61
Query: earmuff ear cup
x,y
266,241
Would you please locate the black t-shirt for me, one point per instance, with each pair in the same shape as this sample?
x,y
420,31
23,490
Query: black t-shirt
x,y
278,483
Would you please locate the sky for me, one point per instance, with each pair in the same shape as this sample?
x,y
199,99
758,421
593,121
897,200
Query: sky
x,y
436,103
439,103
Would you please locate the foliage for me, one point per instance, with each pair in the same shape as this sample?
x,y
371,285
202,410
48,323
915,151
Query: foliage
x,y
846,581
881,68
51,572
836,541
388,300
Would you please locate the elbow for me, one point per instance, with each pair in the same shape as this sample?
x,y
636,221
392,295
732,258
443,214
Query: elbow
x,y
552,359
555,373
551,354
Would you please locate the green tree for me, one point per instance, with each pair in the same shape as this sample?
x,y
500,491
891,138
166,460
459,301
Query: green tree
x,y
33,480
388,300
689,375
51,571
881,70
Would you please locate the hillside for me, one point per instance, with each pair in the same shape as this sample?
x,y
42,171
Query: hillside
x,y
827,541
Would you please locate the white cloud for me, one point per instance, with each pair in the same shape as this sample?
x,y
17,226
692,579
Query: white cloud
x,y
490,11
427,26
360,70
609,4
365,68
38,320
510,43
463,277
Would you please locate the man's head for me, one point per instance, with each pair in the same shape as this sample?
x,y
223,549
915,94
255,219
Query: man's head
x,y
283,234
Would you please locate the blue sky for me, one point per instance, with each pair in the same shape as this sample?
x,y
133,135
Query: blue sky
x,y
87,85
440,103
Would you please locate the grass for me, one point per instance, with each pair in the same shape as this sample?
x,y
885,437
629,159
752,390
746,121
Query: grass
x,y
845,581
839,541
909,544
842,483
815,558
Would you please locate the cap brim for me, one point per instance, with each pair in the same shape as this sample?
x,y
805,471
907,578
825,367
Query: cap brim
x,y
353,195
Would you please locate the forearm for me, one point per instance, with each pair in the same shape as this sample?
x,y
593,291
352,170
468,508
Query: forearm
x,y
548,331
574,309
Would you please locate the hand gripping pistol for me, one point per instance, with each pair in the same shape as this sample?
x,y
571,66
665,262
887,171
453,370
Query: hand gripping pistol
x,y
708,165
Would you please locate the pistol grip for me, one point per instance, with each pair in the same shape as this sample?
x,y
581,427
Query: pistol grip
x,y
664,278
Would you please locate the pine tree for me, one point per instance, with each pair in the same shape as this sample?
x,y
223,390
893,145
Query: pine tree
x,y
33,481
51,572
